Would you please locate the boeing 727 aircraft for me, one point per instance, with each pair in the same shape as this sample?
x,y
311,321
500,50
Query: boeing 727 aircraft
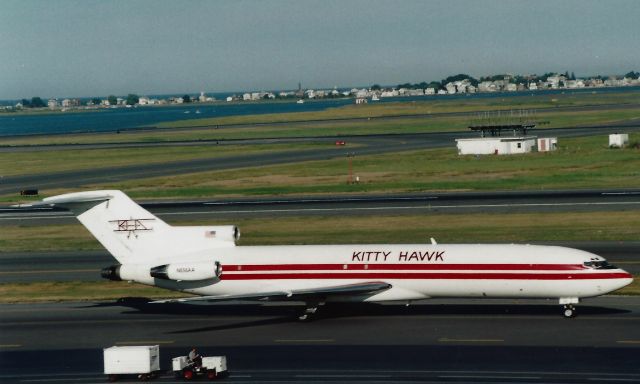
x,y
205,261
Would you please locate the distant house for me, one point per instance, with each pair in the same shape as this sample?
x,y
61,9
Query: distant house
x,y
430,91
52,103
451,88
486,86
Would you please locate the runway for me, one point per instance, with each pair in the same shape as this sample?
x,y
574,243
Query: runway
x,y
587,200
436,341
362,145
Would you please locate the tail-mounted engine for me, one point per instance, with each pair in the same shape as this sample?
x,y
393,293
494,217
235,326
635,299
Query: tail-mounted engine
x,y
111,273
188,271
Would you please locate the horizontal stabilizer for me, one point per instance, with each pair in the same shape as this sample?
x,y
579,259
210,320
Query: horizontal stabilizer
x,y
294,295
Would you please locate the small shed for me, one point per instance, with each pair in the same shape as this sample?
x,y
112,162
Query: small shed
x,y
618,140
546,144
496,145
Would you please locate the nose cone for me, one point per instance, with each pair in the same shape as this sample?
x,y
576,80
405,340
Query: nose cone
x,y
624,279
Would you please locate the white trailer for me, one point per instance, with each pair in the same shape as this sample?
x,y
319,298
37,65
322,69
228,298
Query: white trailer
x,y
212,367
142,361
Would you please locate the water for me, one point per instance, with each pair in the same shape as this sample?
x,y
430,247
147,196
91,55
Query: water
x,y
119,119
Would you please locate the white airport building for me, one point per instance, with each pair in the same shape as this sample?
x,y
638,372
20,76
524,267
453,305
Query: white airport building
x,y
496,145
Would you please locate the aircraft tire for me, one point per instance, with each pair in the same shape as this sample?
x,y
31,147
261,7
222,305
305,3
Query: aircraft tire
x,y
187,374
569,311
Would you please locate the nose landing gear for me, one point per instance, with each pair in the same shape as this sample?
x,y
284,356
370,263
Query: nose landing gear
x,y
568,310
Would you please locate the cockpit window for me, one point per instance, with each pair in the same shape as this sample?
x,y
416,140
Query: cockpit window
x,y
599,264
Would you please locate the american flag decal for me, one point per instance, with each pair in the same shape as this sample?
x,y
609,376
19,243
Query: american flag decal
x,y
209,234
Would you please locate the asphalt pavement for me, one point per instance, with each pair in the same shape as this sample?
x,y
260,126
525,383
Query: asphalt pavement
x,y
433,341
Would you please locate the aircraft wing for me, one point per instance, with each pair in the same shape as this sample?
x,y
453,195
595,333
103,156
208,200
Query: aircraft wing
x,y
294,295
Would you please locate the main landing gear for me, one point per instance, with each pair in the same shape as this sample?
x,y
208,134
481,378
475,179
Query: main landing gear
x,y
310,311
568,310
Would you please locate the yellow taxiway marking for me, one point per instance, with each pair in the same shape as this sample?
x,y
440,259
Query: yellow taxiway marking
x,y
10,345
48,271
304,340
628,341
150,342
447,340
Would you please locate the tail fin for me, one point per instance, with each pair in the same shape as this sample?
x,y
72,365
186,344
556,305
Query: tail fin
x,y
123,227
134,235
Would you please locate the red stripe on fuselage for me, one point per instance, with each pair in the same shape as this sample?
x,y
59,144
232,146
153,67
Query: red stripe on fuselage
x,y
404,267
426,276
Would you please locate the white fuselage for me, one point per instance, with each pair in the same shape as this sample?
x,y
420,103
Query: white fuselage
x,y
415,271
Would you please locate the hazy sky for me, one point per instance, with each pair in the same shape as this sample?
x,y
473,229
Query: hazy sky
x,y
69,48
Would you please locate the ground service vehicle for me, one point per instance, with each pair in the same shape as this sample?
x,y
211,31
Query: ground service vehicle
x,y
213,367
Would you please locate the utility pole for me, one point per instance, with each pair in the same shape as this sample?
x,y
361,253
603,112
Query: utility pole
x,y
350,160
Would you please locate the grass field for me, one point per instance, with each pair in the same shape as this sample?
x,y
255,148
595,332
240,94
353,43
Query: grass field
x,y
79,291
584,162
56,160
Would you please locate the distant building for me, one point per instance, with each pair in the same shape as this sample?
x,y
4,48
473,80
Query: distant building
x,y
52,104
496,145
618,140
546,144
451,88
361,100
70,103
